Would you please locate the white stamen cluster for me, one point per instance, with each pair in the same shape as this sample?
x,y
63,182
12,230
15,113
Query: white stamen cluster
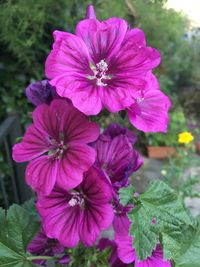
x,y
100,73
77,199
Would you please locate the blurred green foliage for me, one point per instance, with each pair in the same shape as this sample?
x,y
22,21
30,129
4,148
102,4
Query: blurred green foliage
x,y
25,40
180,172
178,124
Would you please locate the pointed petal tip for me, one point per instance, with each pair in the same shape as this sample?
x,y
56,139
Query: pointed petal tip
x,y
90,13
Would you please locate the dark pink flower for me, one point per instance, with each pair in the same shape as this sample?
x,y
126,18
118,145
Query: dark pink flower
x,y
102,66
78,215
114,261
56,145
115,129
149,111
116,156
127,253
41,245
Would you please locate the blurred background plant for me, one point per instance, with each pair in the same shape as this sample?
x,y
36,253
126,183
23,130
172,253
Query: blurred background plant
x,y
181,173
177,122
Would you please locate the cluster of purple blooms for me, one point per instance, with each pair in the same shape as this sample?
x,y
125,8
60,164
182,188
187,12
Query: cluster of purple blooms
x,y
76,171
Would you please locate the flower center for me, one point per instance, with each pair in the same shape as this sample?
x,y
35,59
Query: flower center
x,y
58,147
99,71
139,99
76,199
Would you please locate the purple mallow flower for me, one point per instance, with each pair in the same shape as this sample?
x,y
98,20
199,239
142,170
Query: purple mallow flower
x,y
56,145
80,214
126,251
103,65
41,245
114,260
115,129
116,156
40,92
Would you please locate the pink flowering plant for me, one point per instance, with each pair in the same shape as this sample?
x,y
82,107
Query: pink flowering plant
x,y
86,212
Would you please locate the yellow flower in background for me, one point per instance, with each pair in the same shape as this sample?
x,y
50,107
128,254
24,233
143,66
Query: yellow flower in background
x,y
185,138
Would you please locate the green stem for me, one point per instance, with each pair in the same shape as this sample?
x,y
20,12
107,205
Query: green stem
x,y
31,258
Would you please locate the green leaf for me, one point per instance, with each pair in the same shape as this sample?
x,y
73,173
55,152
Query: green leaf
x,y
190,249
16,231
159,210
126,194
30,206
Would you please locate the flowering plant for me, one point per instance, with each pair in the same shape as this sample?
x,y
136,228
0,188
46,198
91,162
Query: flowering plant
x,y
89,213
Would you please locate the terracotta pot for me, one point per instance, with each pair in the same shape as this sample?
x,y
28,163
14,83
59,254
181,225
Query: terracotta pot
x,y
198,148
160,152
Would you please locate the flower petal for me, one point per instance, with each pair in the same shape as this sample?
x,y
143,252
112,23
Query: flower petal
x,y
61,116
98,214
151,113
103,39
41,174
134,37
136,61
69,54
83,94
124,248
76,160
59,220
114,98
34,144
155,260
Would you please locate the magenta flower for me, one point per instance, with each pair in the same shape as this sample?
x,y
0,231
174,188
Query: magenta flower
x,y
114,260
116,156
102,65
41,245
79,215
115,129
127,254
56,145
149,111
125,249
41,92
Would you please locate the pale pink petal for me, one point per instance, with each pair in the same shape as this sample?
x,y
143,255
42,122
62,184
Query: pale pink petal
x,y
41,174
34,144
150,112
